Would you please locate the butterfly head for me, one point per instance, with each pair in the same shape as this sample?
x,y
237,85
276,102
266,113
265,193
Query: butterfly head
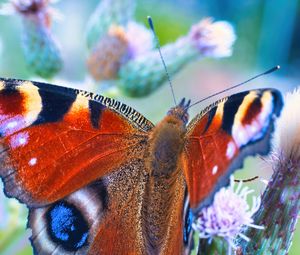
x,y
181,110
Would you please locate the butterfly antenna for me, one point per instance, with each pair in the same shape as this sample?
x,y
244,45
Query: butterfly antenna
x,y
246,180
273,69
161,56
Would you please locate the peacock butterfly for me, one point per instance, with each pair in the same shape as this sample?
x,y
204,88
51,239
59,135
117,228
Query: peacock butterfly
x,y
99,178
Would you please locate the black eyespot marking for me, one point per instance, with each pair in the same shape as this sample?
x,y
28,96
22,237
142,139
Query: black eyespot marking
x,y
67,226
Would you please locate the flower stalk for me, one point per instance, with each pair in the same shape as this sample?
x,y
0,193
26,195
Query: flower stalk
x,y
144,74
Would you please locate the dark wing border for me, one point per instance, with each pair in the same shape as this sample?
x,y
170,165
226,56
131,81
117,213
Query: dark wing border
x,y
136,118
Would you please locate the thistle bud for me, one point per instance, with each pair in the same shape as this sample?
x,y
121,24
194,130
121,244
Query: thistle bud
x,y
116,48
40,49
107,13
105,59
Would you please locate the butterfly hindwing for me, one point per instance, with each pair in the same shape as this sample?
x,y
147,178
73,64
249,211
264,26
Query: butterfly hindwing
x,y
220,138
55,140
101,218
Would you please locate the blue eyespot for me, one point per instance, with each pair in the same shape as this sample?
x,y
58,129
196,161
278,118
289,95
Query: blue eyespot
x,y
67,226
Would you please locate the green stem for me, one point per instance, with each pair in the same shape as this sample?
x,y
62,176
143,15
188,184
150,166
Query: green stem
x,y
144,74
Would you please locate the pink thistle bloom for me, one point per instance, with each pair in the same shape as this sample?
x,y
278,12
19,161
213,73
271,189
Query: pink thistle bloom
x,y
228,215
140,39
213,39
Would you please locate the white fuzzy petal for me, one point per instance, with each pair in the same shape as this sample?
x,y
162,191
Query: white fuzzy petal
x,y
287,136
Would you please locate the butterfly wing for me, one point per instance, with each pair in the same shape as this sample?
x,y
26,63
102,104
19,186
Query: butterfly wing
x,y
101,218
56,140
76,159
219,138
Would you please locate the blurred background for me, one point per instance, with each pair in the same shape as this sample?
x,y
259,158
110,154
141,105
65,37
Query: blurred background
x,y
267,35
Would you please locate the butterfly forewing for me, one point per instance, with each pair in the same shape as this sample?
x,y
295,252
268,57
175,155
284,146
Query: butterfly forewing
x,y
56,140
219,139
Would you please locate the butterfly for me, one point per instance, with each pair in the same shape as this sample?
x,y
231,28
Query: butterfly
x,y
99,178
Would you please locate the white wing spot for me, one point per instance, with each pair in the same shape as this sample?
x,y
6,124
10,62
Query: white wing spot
x,y
230,150
32,161
215,170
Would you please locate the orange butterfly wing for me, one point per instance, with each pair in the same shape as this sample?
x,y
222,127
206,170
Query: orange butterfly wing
x,y
222,136
76,159
56,140
109,220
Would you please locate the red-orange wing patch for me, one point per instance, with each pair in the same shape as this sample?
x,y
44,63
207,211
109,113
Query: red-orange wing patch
x,y
221,137
55,140
106,217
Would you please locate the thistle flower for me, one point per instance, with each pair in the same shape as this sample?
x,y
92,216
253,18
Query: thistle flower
x,y
107,13
140,39
40,49
138,70
105,59
118,46
287,137
145,73
228,215
213,39
280,204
